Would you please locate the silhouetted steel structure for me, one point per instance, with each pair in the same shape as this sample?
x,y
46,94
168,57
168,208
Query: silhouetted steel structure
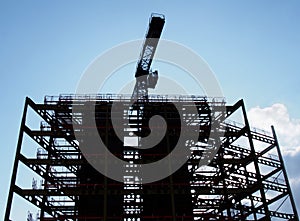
x,y
246,180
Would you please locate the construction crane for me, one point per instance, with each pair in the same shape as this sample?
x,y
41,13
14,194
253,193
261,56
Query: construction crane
x,y
145,77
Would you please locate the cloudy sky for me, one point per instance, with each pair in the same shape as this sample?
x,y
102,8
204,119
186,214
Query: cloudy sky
x,y
252,47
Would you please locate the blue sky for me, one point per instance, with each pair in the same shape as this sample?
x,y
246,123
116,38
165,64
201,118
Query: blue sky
x,y
252,46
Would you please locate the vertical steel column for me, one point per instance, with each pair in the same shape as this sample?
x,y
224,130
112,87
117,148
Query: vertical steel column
x,y
16,163
48,169
285,175
105,164
46,178
251,198
171,176
255,161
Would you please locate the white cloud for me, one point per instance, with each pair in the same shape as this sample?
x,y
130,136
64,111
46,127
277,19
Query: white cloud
x,y
294,181
287,129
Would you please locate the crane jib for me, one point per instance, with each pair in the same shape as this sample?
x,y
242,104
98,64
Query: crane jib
x,y
145,78
152,37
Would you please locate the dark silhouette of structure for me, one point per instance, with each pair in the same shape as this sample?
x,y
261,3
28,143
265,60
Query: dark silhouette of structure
x,y
245,180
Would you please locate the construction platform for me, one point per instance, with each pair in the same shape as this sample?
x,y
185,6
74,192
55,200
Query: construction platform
x,y
245,180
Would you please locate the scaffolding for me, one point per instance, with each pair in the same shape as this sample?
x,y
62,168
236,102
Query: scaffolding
x,y
245,180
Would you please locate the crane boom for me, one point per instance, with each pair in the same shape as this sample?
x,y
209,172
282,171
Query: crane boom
x,y
145,78
152,37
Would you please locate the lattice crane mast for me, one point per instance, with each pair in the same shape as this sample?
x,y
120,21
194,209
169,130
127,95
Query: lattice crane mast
x,y
145,77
